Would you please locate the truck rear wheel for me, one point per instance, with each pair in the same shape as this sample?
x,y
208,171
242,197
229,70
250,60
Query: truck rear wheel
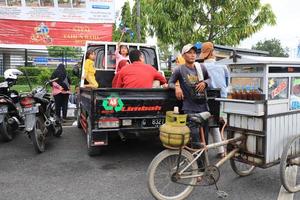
x,y
92,150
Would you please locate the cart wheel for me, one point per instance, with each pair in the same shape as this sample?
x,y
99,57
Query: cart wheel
x,y
289,165
240,168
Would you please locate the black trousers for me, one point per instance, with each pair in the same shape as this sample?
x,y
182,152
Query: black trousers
x,y
195,135
61,104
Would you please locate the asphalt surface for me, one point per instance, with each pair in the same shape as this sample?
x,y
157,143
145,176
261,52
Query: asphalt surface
x,y
66,172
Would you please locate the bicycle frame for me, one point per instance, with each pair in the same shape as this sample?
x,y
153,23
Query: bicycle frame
x,y
199,152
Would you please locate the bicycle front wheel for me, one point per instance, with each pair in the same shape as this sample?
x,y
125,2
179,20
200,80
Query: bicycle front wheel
x,y
164,182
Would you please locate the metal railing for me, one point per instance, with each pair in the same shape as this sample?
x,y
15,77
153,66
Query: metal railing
x,y
16,57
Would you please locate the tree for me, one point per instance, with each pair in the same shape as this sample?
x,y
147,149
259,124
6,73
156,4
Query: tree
x,y
143,21
60,51
224,22
273,46
126,22
129,20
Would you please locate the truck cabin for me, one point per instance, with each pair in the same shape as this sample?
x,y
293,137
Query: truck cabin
x,y
276,79
105,62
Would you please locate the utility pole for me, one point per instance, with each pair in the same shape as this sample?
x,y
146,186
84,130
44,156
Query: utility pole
x,y
138,23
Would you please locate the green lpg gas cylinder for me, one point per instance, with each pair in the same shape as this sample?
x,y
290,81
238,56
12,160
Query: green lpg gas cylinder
x,y
174,133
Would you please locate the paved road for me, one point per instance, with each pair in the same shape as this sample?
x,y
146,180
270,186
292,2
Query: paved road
x,y
66,172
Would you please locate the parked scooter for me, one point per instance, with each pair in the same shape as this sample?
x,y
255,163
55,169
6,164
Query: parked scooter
x,y
10,118
40,118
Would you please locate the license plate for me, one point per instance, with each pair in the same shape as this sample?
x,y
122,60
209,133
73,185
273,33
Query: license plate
x,y
30,110
153,122
3,109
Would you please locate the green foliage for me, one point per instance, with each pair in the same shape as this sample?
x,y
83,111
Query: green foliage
x,y
70,52
129,19
164,52
167,73
273,46
31,71
38,75
23,81
142,20
224,22
44,75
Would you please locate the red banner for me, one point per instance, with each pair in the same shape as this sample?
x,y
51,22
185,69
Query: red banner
x,y
53,33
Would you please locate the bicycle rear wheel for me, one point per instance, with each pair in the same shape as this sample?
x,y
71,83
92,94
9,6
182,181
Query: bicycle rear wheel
x,y
163,183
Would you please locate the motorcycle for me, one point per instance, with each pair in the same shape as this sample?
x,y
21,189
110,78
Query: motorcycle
x,y
40,119
10,118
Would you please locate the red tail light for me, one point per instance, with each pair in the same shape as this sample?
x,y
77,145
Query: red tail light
x,y
27,102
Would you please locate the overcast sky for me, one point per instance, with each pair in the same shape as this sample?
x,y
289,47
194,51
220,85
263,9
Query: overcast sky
x,y
287,29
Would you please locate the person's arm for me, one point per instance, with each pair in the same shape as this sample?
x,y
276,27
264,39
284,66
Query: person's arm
x,y
227,76
69,80
53,76
206,76
119,82
114,81
158,76
206,80
174,77
174,83
86,69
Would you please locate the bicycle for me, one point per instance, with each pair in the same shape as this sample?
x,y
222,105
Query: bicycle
x,y
179,166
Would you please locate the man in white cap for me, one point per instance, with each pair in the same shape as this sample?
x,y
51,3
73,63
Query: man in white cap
x,y
193,79
219,79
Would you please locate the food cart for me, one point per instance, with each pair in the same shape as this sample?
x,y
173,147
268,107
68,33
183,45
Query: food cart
x,y
263,129
264,106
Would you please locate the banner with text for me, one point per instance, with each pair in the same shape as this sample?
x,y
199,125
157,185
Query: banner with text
x,y
53,33
84,11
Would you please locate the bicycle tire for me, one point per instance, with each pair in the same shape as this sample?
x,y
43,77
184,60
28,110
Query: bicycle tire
x,y
154,190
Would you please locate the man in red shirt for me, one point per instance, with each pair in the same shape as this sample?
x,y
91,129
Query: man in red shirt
x,y
138,74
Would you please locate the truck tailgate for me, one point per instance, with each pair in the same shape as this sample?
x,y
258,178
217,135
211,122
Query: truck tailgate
x,y
134,102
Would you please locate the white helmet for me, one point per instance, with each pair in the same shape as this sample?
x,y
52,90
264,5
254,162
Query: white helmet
x,y
12,74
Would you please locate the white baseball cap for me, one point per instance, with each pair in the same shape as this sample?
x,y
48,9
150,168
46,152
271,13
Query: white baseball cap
x,y
187,48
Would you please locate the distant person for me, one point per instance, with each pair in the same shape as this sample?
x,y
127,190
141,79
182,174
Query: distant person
x,y
89,70
180,60
122,64
219,76
61,90
138,74
73,96
121,53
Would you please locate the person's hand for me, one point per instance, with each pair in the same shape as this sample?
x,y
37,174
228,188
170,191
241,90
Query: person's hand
x,y
178,93
200,86
165,85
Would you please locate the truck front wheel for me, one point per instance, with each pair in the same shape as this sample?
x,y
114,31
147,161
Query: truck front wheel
x,y
92,150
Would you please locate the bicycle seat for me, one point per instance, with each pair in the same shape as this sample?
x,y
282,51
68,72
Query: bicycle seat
x,y
199,118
